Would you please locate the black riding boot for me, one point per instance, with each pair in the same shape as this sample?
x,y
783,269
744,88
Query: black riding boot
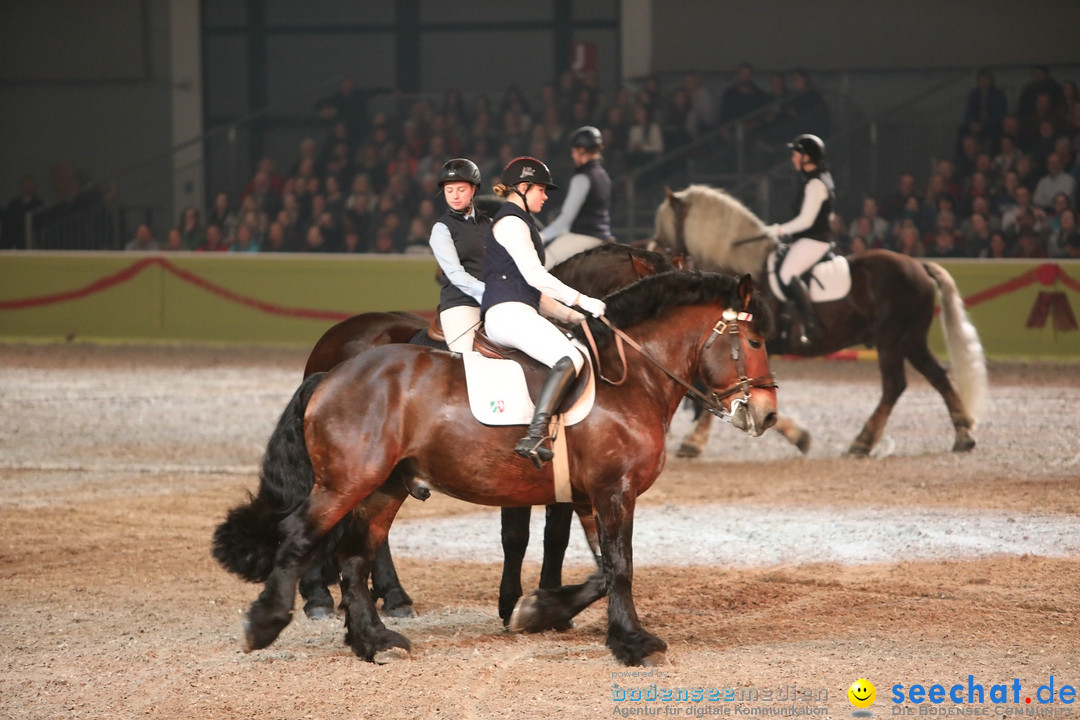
x,y
798,292
556,386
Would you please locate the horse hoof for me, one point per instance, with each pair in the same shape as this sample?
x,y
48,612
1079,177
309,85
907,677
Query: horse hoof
x,y
319,612
803,443
686,450
522,615
257,638
655,660
965,445
390,655
859,451
563,626
400,611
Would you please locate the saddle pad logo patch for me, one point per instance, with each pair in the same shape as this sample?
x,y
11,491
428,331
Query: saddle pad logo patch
x,y
498,406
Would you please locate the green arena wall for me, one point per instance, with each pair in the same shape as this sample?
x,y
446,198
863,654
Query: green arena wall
x,y
1022,309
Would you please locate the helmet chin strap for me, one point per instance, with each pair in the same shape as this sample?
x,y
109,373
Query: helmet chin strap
x,y
525,202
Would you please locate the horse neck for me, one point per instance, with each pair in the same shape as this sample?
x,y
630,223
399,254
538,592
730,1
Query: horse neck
x,y
750,259
599,275
674,341
727,223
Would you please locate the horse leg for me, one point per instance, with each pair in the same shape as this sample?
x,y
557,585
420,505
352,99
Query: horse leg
x,y
556,538
554,608
893,384
364,629
315,590
793,432
515,538
694,443
924,361
627,638
386,585
321,573
272,610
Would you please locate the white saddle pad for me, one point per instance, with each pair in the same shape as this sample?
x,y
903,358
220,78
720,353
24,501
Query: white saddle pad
x,y
498,395
831,279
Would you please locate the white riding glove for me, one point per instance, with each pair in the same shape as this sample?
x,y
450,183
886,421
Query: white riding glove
x,y
592,306
552,308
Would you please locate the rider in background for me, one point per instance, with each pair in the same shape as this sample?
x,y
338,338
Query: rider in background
x,y
584,219
457,239
515,280
810,227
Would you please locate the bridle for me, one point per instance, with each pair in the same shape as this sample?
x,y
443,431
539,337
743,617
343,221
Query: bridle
x,y
727,325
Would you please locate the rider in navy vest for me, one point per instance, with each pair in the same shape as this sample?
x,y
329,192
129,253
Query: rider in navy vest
x,y
810,227
584,219
516,286
457,240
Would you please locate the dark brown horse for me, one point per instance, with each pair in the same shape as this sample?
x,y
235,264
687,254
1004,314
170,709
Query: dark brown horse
x,y
596,272
890,307
368,430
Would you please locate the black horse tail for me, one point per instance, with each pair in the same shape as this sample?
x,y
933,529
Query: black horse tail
x,y
245,544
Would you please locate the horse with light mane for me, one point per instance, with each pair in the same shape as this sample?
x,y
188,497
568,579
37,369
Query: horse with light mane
x,y
890,306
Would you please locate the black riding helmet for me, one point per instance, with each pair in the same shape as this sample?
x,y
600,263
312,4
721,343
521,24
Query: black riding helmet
x,y
529,170
587,137
811,146
526,170
459,170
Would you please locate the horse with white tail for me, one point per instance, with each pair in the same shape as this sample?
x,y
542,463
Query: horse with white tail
x,y
877,298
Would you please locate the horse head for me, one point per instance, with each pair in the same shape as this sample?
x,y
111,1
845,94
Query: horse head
x,y
723,325
735,366
707,224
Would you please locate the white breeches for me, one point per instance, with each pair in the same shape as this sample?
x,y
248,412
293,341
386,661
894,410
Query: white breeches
x,y
566,245
517,325
459,326
802,255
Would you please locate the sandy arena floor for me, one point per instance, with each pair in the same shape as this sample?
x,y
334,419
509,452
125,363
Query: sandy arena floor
x,y
768,573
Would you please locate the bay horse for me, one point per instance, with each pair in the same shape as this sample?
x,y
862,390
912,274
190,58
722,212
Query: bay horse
x,y
597,272
397,416
890,307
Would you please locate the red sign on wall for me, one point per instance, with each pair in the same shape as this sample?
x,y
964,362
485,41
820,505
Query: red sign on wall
x,y
583,59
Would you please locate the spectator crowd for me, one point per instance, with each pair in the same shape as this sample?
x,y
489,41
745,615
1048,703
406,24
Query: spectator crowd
x,y
1010,191
371,185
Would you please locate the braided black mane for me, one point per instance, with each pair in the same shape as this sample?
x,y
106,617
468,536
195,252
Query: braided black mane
x,y
652,296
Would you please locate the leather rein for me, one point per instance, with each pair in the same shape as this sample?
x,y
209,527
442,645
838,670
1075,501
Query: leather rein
x,y
726,325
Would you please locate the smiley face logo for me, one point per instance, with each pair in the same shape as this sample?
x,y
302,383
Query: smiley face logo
x,y
862,693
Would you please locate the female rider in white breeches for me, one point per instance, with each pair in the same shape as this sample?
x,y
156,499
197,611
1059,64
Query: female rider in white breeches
x,y
514,280
810,227
457,240
584,220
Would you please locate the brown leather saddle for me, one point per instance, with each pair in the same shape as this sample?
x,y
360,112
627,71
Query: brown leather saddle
x,y
535,372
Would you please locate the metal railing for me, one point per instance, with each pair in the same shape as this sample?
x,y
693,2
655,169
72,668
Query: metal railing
x,y
865,156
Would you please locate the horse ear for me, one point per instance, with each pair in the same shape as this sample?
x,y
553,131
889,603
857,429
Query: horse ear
x,y
672,199
641,268
746,291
